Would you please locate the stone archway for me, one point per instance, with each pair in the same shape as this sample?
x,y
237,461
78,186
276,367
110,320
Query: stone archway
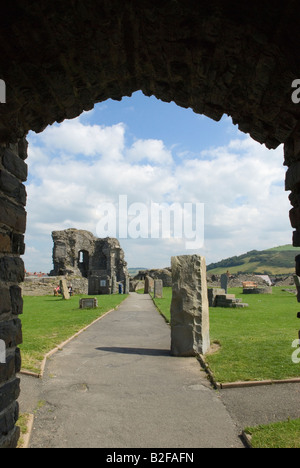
x,y
59,58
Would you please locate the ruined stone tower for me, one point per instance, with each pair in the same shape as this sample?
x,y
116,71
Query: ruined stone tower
x,y
80,253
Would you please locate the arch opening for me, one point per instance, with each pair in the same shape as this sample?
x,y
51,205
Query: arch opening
x,y
83,262
214,58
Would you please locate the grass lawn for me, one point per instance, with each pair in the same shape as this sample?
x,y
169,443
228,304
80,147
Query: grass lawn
x,y
256,342
164,304
278,435
48,321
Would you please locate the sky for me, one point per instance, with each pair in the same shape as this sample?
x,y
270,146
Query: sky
x,y
150,153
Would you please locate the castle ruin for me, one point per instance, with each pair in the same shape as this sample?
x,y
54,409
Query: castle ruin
x,y
78,253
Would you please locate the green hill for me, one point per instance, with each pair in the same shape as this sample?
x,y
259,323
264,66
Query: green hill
x,y
134,271
276,261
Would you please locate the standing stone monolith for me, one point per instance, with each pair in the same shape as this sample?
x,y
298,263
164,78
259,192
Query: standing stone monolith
x,y
158,289
64,289
149,285
224,282
189,308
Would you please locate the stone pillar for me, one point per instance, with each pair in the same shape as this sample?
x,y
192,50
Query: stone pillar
x,y
189,308
158,289
224,282
13,172
64,289
127,285
149,285
114,285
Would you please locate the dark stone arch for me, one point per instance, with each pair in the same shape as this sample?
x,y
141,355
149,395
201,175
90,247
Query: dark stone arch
x,y
58,59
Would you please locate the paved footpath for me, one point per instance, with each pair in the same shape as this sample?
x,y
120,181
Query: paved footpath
x,y
116,386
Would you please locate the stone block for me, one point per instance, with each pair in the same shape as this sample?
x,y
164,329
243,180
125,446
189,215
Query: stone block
x,y
5,301
212,295
12,215
10,440
9,419
8,370
18,245
9,393
23,149
11,332
158,289
15,165
10,185
189,307
292,177
12,269
88,303
16,300
5,243
295,217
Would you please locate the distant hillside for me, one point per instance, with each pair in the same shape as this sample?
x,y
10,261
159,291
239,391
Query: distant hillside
x,y
134,271
276,261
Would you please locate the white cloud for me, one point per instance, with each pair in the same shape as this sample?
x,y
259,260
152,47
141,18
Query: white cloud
x,y
73,137
75,167
152,151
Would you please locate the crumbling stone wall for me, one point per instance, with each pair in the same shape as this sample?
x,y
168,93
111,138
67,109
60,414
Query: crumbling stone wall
x,y
79,253
46,286
13,172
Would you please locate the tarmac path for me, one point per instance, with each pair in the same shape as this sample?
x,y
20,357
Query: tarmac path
x,y
117,386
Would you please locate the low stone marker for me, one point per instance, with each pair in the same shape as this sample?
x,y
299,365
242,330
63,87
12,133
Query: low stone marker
x,y
212,296
64,289
88,303
158,289
189,308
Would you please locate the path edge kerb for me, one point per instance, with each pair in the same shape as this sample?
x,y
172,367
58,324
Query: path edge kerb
x,y
63,344
241,384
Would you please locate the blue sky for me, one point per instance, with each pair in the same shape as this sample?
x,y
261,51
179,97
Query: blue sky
x,y
154,152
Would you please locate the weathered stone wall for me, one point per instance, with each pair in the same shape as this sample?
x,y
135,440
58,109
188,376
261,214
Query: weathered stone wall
x,y
13,172
80,253
66,248
45,286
